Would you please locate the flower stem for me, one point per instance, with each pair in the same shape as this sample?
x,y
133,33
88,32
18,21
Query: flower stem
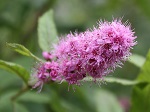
x,y
22,91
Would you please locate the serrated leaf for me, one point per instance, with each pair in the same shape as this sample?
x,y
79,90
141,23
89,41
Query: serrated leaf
x,y
124,82
137,60
141,98
47,34
15,68
22,50
144,75
106,102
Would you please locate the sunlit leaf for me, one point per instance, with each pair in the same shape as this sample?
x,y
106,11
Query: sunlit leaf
x,y
47,33
141,92
141,98
15,68
106,102
144,75
137,60
22,50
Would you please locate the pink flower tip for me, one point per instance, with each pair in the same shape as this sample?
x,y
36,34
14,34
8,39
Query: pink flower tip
x,y
46,55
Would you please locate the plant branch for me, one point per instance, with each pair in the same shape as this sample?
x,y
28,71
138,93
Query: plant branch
x,y
116,80
22,91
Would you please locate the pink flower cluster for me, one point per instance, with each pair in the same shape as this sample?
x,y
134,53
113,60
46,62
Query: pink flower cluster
x,y
93,53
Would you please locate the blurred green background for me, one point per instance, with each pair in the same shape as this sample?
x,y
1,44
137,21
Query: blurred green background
x,y
18,24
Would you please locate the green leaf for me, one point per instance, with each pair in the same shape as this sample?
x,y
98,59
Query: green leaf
x,y
20,108
141,98
56,103
144,75
68,103
22,50
6,80
34,97
15,68
106,102
121,81
5,101
47,33
137,60
116,80
141,92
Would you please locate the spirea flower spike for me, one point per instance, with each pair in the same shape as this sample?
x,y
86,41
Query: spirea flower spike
x,y
93,53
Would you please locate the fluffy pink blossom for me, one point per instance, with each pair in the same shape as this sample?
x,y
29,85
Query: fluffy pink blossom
x,y
93,53
47,56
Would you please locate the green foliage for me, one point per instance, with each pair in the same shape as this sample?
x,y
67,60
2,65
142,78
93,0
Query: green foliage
x,y
67,101
137,60
15,68
121,81
35,98
116,80
22,50
141,92
7,105
47,33
5,102
144,6
141,98
144,75
8,77
106,102
20,108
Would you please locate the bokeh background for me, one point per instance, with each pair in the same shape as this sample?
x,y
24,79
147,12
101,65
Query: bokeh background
x,y
18,24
